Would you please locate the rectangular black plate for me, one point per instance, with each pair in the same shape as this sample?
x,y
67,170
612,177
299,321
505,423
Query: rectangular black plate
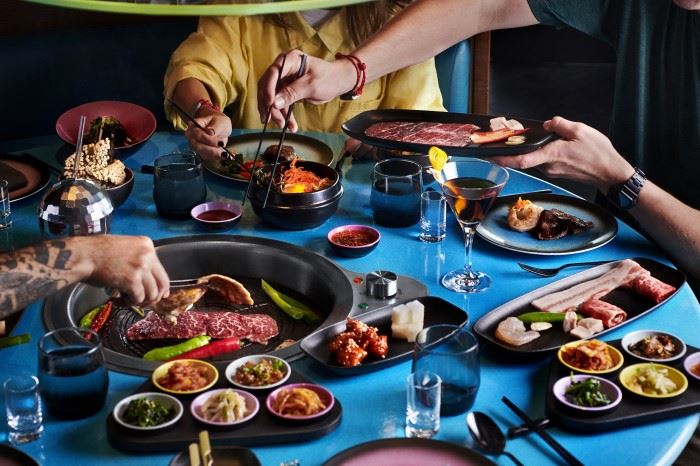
x,y
550,340
536,136
632,409
263,429
437,311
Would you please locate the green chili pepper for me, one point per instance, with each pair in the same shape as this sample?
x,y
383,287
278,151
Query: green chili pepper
x,y
86,320
169,352
552,317
14,340
292,307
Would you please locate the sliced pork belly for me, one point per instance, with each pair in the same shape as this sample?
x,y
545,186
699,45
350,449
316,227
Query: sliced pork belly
x,y
610,314
651,288
568,300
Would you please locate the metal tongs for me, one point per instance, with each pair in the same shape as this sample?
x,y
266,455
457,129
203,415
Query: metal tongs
x,y
300,73
186,283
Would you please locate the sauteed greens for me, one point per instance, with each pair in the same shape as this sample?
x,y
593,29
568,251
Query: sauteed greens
x,y
586,393
143,412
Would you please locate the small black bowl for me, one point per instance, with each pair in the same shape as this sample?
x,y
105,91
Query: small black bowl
x,y
371,235
119,194
296,218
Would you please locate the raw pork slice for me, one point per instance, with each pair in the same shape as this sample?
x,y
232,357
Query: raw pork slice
x,y
423,132
610,314
652,288
257,328
568,300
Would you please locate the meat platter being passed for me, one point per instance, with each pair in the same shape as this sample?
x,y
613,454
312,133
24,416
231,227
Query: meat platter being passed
x,y
449,131
616,306
224,264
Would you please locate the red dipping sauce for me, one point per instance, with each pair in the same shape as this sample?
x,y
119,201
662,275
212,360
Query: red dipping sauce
x,y
353,238
217,215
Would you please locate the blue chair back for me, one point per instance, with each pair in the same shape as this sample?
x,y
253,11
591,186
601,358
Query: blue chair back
x,y
453,69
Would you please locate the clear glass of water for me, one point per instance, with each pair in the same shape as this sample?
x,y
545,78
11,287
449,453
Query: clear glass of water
x,y
24,416
423,404
433,217
72,372
178,184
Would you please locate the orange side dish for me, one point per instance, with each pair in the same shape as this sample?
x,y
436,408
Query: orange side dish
x,y
592,355
297,180
183,377
695,370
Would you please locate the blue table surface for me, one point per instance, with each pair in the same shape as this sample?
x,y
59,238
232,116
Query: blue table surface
x,y
374,403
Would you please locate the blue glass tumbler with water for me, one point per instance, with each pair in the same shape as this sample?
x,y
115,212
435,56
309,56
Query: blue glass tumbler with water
x,y
72,373
178,184
452,352
396,188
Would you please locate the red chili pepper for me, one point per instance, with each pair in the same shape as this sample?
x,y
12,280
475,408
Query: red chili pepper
x,y
100,319
226,345
249,165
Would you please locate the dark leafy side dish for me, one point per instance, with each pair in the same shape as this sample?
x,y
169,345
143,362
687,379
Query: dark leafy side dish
x,y
654,347
143,412
265,372
586,393
108,127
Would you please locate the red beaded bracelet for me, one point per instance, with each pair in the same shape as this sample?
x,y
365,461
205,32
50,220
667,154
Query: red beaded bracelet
x,y
361,69
204,103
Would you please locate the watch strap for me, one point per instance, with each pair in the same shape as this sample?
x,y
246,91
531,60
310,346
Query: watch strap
x,y
625,195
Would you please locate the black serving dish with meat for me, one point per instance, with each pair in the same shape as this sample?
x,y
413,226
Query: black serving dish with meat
x,y
632,410
437,311
263,429
551,340
311,278
536,136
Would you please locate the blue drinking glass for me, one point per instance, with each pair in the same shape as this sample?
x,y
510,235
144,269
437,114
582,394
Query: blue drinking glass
x,y
178,184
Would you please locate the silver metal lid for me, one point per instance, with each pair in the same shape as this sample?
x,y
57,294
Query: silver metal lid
x,y
381,284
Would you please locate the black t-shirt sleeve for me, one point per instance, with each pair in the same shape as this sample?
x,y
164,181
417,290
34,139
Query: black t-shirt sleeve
x,y
596,18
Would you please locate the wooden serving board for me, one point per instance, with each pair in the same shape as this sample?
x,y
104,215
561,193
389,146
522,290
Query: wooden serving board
x,y
263,429
632,410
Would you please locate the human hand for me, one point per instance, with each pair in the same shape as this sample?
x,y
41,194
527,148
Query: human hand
x,y
321,82
128,264
217,127
583,154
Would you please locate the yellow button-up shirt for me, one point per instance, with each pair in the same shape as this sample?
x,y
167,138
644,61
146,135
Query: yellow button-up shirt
x,y
229,54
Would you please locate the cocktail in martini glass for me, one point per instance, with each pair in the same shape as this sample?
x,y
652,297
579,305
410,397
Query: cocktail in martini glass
x,y
471,187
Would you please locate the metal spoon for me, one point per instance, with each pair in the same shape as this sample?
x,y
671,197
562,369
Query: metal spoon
x,y
488,435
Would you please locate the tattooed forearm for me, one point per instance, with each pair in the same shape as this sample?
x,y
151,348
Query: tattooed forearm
x,y
33,273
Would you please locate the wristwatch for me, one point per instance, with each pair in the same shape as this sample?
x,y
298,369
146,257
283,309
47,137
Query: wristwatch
x,y
625,195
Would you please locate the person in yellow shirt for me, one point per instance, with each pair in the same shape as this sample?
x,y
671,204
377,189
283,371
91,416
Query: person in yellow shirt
x,y
216,70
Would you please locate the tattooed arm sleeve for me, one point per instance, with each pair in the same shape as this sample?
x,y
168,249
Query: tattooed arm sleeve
x,y
37,271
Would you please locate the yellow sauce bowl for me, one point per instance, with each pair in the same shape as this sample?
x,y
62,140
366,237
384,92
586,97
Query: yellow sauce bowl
x,y
628,373
162,370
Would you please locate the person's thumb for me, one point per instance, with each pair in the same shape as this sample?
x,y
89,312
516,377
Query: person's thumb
x,y
563,127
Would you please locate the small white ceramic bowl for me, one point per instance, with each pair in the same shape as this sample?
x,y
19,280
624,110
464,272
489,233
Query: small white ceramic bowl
x,y
634,337
251,402
256,358
691,361
611,390
167,400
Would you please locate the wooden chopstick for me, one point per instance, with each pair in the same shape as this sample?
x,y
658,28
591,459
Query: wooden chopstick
x,y
205,448
563,452
194,455
300,73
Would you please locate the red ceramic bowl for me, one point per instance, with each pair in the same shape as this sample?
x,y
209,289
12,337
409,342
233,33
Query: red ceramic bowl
x,y
323,393
368,238
138,121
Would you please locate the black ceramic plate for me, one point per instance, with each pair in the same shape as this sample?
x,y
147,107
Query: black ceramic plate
x,y
632,410
437,311
408,452
10,456
36,173
494,228
536,136
306,147
550,340
223,456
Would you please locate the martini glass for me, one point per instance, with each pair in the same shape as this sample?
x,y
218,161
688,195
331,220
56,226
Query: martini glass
x,y
471,187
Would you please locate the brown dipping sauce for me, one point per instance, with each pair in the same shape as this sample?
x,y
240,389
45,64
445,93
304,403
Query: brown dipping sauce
x,y
217,215
353,238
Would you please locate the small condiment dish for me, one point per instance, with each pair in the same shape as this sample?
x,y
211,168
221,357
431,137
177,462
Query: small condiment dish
x,y
216,215
256,358
212,376
615,354
168,401
251,402
354,240
629,373
323,393
607,387
693,362
635,337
